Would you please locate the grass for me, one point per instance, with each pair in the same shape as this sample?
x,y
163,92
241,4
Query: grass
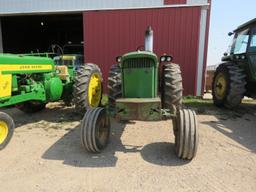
x,y
104,100
198,104
206,107
196,101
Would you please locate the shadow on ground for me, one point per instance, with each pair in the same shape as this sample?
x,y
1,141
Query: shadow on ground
x,y
161,154
54,113
69,150
238,124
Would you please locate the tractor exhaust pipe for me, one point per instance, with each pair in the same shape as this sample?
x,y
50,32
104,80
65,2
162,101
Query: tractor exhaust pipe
x,y
149,39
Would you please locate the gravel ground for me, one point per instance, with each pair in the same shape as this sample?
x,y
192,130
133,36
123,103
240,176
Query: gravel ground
x,y
45,154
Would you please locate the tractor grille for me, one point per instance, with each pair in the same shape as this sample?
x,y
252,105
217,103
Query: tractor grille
x,y
138,63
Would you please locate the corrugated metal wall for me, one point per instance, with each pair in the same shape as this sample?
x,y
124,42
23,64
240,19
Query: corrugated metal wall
x,y
10,7
188,2
170,2
36,6
108,34
206,45
192,2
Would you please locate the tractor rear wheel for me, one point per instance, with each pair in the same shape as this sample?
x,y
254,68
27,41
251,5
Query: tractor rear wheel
x,y
31,107
172,86
114,85
186,134
95,130
228,86
6,129
87,90
66,96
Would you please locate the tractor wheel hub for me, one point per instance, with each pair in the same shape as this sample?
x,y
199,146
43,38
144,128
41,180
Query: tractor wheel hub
x,y
3,131
220,86
94,91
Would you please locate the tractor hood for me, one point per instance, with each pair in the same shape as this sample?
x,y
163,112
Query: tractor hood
x,y
139,54
139,74
11,63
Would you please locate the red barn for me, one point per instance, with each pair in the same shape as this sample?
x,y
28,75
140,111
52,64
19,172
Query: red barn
x,y
110,28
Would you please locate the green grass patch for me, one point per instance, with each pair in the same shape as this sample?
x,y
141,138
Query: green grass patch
x,y
198,104
190,100
104,100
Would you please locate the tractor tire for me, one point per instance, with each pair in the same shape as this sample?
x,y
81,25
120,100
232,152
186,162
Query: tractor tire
x,y
114,85
186,134
87,89
228,86
6,129
172,86
66,96
68,101
31,107
95,130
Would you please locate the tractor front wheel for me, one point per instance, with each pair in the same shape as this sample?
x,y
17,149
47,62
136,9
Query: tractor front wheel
x,y
87,90
95,130
186,134
6,129
228,86
31,107
172,86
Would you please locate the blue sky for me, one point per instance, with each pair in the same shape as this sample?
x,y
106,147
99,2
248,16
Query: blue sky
x,y
226,15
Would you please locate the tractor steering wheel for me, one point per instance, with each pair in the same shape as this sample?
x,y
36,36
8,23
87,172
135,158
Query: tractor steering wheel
x,y
56,49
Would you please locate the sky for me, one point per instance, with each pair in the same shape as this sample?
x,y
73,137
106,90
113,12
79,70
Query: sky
x,y
226,15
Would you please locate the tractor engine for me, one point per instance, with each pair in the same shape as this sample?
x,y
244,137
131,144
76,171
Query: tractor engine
x,y
140,71
138,84
28,78
139,75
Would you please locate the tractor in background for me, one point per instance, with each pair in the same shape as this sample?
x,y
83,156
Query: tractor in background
x,y
68,60
235,77
136,91
69,55
30,82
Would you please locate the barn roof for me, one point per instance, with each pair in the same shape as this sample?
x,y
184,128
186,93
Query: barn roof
x,y
17,7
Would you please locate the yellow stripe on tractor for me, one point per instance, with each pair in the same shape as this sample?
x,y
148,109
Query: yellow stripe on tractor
x,y
6,79
8,68
68,57
5,85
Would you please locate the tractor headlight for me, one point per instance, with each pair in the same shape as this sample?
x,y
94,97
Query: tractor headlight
x,y
118,59
168,58
163,59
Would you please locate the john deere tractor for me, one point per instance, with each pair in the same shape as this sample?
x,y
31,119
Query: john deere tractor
x,y
30,82
143,87
235,77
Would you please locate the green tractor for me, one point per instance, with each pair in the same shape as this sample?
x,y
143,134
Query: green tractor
x,y
235,77
30,82
69,60
70,54
139,88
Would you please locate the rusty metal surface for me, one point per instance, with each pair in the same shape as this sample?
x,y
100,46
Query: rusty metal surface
x,y
138,109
